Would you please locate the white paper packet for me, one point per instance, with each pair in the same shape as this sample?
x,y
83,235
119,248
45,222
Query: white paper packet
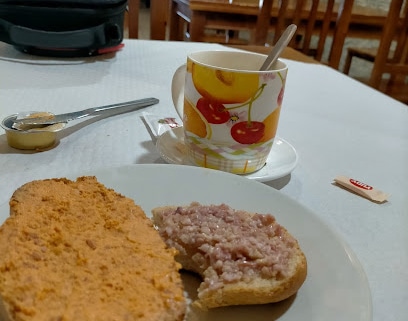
x,y
362,189
158,125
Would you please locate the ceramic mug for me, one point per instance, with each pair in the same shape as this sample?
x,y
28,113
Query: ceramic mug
x,y
230,109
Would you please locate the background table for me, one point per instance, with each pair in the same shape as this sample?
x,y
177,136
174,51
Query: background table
x,y
337,125
366,21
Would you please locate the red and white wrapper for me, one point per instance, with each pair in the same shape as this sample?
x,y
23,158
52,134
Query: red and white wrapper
x,y
362,189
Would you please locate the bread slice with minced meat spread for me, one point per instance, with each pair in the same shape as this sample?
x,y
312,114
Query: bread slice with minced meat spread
x,y
243,258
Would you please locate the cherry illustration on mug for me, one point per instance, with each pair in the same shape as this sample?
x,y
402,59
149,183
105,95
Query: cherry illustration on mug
x,y
214,111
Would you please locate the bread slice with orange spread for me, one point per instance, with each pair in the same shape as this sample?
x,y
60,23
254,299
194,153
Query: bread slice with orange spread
x,y
242,257
76,250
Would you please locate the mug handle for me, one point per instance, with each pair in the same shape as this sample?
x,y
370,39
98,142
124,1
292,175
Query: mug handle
x,y
177,89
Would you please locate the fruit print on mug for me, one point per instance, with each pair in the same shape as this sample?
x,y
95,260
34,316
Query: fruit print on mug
x,y
231,109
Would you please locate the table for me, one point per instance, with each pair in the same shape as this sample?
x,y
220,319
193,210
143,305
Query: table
x,y
287,53
366,22
338,126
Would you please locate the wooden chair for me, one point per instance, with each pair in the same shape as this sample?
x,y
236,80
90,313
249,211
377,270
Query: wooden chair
x,y
132,18
316,20
158,19
392,59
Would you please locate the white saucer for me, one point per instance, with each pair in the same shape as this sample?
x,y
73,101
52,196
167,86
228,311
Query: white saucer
x,y
281,161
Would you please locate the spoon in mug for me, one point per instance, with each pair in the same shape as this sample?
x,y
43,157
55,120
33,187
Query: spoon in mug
x,y
278,48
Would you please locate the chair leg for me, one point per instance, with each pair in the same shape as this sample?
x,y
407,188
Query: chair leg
x,y
133,18
183,33
347,63
175,23
197,24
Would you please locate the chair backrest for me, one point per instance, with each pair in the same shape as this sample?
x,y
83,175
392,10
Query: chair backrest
x,y
392,59
317,18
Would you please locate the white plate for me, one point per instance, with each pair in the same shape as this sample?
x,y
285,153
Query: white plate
x,y
336,287
281,161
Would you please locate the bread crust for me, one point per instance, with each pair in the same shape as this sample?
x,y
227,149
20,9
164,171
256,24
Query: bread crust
x,y
76,250
255,291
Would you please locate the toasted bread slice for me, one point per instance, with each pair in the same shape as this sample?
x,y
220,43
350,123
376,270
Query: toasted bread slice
x,y
243,258
76,250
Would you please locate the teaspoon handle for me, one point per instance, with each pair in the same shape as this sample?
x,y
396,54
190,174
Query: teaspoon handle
x,y
62,118
278,47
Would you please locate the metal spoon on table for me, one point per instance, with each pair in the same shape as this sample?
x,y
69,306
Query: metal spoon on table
x,y
33,122
278,48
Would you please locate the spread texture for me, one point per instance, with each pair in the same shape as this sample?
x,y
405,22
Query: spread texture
x,y
79,251
243,258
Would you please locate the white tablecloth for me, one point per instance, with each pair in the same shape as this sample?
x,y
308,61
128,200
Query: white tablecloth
x,y
337,125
